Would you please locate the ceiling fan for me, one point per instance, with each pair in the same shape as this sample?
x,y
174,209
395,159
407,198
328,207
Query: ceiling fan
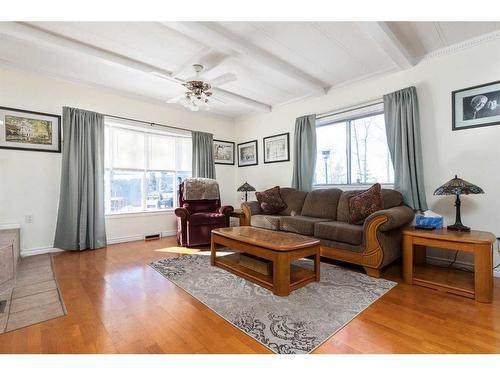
x,y
198,92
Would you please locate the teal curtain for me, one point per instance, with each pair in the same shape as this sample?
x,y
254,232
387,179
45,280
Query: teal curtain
x,y
403,136
304,151
203,155
80,220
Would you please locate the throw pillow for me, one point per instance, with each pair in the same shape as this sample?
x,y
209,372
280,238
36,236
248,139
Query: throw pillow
x,y
270,201
364,204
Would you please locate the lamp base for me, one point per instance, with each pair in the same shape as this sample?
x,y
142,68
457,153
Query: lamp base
x,y
458,227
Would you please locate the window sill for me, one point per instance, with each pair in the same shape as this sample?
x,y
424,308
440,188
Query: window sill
x,y
352,186
139,214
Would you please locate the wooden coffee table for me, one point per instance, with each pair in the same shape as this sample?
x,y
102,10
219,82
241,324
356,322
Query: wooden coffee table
x,y
281,248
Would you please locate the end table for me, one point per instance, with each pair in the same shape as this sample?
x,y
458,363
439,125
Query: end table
x,y
478,285
238,213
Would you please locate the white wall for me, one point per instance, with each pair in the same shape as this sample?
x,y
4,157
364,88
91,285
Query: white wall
x,y
473,154
30,181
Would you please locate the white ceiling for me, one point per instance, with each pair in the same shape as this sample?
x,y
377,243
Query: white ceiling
x,y
275,62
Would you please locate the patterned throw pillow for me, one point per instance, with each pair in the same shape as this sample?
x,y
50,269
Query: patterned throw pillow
x,y
270,201
364,204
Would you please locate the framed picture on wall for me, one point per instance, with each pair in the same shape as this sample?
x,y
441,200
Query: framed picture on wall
x,y
223,152
29,131
247,154
277,148
476,106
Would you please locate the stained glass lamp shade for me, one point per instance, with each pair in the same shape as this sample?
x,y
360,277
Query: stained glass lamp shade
x,y
457,186
246,187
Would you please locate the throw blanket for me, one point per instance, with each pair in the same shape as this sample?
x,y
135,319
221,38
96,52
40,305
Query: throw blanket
x,y
200,188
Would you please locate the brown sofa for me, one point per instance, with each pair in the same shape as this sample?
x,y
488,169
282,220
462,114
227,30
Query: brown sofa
x,y
324,214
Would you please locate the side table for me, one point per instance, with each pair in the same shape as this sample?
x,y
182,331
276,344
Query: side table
x,y
478,285
238,213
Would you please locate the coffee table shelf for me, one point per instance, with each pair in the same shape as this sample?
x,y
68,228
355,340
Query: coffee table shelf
x,y
298,275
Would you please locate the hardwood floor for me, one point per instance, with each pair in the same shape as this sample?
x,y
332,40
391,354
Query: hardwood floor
x,y
117,304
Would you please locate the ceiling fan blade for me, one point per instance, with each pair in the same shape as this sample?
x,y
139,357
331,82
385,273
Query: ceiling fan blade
x,y
175,99
223,79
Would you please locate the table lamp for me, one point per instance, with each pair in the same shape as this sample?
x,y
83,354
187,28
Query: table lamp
x,y
457,186
246,187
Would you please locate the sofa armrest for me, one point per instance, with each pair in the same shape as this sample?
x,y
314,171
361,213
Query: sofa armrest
x,y
252,206
397,217
182,212
249,209
226,210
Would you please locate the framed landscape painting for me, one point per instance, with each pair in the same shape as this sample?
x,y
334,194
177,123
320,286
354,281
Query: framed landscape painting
x,y
277,148
29,131
247,154
476,106
223,152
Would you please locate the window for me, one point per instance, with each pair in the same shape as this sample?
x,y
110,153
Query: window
x,y
352,149
143,166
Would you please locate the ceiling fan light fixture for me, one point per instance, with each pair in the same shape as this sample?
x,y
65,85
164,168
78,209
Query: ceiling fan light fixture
x,y
198,94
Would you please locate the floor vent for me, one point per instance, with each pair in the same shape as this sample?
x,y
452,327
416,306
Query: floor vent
x,y
3,304
149,237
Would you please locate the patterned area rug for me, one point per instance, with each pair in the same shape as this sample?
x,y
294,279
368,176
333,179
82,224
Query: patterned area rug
x,y
298,323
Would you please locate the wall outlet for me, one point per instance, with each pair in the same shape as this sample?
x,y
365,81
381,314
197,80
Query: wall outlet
x,y
28,219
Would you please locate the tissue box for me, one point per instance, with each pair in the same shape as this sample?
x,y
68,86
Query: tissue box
x,y
429,221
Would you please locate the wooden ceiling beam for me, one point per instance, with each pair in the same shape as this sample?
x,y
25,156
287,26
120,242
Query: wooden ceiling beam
x,y
215,36
381,33
41,37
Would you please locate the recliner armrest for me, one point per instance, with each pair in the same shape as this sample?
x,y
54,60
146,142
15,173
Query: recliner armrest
x,y
181,212
226,210
397,217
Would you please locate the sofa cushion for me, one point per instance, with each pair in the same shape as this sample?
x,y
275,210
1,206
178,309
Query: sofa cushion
x,y
322,203
206,218
270,200
266,221
294,200
364,204
390,198
340,232
299,224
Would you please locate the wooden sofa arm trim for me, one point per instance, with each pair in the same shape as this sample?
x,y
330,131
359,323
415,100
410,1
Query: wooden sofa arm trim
x,y
247,215
373,255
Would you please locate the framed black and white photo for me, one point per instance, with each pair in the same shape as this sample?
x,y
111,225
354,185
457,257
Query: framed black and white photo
x,y
247,154
476,106
29,131
277,148
223,152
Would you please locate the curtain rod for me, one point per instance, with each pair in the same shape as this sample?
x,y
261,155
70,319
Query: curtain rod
x,y
350,108
147,122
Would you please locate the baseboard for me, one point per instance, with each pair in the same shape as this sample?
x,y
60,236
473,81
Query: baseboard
x,y
438,261
110,241
114,240
38,251
137,237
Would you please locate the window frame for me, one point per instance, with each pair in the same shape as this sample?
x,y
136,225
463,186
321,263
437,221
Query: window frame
x,y
347,120
147,150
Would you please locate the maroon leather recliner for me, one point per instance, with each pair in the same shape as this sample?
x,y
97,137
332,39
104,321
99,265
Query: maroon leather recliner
x,y
197,218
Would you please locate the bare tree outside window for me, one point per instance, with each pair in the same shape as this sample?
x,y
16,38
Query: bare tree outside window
x,y
353,152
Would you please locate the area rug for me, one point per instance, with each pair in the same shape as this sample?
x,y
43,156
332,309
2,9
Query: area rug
x,y
35,297
298,323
